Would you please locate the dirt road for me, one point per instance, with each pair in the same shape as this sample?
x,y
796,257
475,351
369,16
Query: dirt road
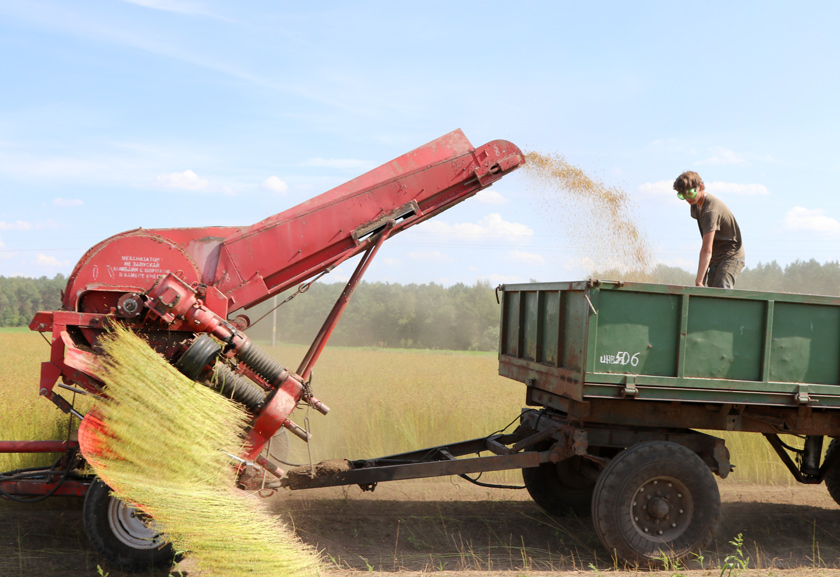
x,y
424,527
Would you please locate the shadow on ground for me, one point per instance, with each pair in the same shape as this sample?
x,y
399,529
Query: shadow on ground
x,y
434,529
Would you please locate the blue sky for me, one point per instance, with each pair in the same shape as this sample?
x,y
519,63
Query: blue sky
x,y
169,113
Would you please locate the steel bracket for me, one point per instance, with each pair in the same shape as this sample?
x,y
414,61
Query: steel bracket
x,y
629,389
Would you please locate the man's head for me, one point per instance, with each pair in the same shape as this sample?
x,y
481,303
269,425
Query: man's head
x,y
689,186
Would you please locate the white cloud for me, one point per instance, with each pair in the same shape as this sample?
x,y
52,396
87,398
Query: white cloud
x,y
392,261
490,196
274,183
799,218
751,189
187,180
530,258
341,163
723,156
44,260
17,225
491,226
430,256
67,202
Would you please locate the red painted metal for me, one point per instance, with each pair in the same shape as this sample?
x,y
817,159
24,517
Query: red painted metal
x,y
175,284
37,446
38,488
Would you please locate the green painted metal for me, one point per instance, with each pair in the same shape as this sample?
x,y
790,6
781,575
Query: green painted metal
x,y
593,339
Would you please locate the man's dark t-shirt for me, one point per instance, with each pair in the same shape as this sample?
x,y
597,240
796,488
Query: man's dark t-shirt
x,y
716,216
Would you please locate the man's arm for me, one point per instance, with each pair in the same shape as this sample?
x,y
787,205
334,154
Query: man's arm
x,y
705,258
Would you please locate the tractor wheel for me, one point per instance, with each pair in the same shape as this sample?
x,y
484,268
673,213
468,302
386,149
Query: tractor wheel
x,y
564,487
655,498
832,479
121,533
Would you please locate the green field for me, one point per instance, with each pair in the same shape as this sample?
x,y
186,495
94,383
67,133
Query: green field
x,y
383,401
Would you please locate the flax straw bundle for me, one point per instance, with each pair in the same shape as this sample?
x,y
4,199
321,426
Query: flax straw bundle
x,y
165,452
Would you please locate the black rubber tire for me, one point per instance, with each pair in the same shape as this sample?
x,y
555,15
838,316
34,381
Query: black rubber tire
x,y
653,498
562,488
118,533
832,479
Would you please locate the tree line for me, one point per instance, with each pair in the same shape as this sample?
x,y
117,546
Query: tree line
x,y
427,316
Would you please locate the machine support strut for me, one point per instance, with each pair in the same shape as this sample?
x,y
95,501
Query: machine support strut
x,y
335,314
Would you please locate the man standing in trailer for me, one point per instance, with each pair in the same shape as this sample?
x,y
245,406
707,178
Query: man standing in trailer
x,y
722,252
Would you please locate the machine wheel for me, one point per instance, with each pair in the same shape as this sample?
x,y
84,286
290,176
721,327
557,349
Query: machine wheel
x,y
121,533
832,479
564,487
653,498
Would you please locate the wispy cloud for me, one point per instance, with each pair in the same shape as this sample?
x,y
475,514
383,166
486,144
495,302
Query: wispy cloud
x,y
180,7
723,156
803,219
17,225
274,184
66,202
491,226
751,189
430,256
529,258
50,261
490,196
392,261
187,180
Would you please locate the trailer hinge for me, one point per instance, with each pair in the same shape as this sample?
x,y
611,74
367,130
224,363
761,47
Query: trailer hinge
x,y
629,389
802,397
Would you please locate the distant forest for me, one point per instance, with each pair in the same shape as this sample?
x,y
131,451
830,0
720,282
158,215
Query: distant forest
x,y
428,316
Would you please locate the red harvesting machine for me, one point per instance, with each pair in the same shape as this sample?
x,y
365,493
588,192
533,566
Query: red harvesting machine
x,y
180,288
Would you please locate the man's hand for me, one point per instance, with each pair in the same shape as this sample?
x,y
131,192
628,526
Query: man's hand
x,y
705,258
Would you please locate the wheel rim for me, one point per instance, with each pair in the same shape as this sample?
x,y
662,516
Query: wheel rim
x,y
132,527
662,509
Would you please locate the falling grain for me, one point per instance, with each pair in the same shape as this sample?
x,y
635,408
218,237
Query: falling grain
x,y
598,219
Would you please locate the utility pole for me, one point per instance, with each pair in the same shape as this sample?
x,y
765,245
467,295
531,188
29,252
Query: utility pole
x,y
274,322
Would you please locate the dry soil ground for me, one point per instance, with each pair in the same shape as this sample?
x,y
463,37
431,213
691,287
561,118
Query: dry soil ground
x,y
456,528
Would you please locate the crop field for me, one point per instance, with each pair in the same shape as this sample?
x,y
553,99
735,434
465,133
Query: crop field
x,y
382,401
385,401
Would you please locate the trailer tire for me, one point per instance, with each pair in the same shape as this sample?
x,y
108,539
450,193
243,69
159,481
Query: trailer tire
x,y
655,498
832,478
118,533
562,488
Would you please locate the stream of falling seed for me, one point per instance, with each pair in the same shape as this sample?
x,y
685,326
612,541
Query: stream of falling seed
x,y
596,218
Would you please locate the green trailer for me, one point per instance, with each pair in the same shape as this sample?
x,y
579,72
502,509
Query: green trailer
x,y
626,375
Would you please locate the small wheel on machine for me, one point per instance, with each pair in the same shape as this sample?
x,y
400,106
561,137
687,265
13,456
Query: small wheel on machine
x,y
564,487
121,533
655,498
832,478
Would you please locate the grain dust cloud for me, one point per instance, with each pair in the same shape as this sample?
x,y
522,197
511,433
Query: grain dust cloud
x,y
595,220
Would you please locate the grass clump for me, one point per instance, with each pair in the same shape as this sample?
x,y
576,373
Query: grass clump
x,y
165,451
